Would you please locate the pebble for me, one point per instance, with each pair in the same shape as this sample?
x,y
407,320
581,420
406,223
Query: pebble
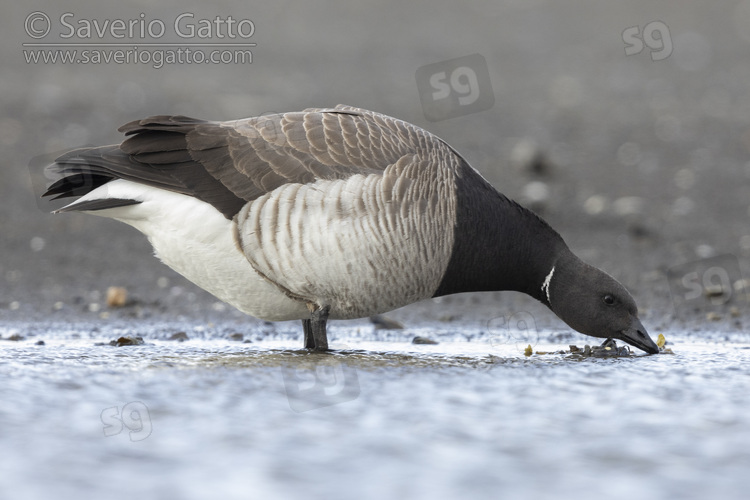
x,y
385,323
527,156
127,341
595,204
424,340
179,337
628,205
705,251
713,291
37,244
117,296
536,195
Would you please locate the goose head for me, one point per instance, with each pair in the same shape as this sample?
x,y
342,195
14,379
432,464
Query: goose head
x,y
594,303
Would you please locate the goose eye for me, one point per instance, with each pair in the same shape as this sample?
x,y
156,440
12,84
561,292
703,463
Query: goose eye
x,y
609,300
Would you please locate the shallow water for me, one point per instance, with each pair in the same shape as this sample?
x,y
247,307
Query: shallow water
x,y
211,418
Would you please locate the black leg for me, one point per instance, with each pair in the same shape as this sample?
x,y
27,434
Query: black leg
x,y
307,328
315,329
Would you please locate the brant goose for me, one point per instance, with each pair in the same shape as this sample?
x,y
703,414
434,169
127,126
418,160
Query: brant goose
x,y
333,213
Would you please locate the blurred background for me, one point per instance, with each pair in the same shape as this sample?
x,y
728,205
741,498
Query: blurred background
x,y
625,124
640,161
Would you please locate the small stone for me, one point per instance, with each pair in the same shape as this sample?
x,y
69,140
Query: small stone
x,y
238,337
734,311
127,341
595,204
247,341
628,205
525,155
536,195
639,230
39,342
385,323
179,337
117,296
528,351
652,276
713,316
713,291
16,337
574,348
37,244
705,251
424,340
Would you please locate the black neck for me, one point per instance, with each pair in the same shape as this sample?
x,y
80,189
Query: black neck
x,y
499,245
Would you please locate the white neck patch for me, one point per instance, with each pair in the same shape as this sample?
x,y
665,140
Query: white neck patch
x,y
545,285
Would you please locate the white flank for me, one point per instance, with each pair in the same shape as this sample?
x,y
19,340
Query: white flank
x,y
197,241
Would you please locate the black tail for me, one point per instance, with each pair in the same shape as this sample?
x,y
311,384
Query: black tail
x,y
156,155
78,172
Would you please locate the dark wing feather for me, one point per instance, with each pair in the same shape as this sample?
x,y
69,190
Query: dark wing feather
x,y
228,164
80,171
